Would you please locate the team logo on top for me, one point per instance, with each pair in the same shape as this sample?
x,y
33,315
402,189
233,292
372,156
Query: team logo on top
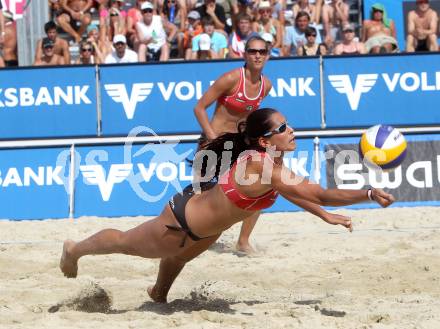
x,y
139,93
342,84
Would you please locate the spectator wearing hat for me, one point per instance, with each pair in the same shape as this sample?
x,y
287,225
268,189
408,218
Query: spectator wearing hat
x,y
295,37
422,26
49,57
267,24
61,47
121,54
194,28
10,57
215,11
270,41
101,45
243,32
154,42
75,17
210,44
379,32
349,45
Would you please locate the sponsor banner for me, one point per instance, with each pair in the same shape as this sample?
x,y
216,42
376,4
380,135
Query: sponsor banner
x,y
364,91
163,97
136,180
34,184
415,182
48,102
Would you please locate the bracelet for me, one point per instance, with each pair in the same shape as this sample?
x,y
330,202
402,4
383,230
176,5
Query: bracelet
x,y
370,194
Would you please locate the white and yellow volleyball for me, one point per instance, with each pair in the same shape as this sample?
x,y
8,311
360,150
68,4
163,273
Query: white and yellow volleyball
x,y
383,146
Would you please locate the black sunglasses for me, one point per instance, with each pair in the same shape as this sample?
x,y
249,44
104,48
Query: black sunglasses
x,y
311,35
87,49
279,130
145,11
114,14
252,51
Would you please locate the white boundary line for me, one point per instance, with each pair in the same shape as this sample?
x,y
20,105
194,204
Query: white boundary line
x,y
185,138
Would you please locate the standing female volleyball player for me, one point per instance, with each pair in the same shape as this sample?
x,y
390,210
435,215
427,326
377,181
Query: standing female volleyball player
x,y
191,221
238,93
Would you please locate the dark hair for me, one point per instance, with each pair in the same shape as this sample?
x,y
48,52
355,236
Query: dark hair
x,y
253,38
207,20
302,14
243,16
49,26
256,125
310,31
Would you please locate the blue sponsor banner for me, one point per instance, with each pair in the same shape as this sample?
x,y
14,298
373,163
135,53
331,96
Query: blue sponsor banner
x,y
48,102
136,180
130,180
34,184
415,183
163,97
395,90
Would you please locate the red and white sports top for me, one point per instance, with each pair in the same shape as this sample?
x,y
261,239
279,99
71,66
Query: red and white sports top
x,y
226,182
238,101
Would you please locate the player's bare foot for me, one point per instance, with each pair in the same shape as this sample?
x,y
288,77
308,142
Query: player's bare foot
x,y
154,295
68,265
245,248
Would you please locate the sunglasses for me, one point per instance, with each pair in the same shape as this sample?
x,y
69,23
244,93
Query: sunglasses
x,y
279,130
347,31
87,49
147,11
114,14
264,10
311,35
119,44
252,51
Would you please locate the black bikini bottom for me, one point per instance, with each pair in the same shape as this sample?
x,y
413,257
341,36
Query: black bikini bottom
x,y
178,203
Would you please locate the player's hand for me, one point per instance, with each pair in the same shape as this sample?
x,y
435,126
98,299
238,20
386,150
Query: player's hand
x,y
381,197
336,219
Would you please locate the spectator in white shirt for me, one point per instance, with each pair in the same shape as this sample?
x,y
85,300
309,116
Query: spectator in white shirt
x,y
121,54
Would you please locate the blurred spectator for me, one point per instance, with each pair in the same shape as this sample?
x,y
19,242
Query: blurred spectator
x,y
231,11
379,32
334,16
306,6
121,54
173,13
318,10
154,43
10,57
134,15
2,26
101,45
270,42
49,57
75,17
55,8
87,54
311,47
267,24
422,26
245,7
61,47
210,44
350,45
113,18
278,9
215,11
194,28
295,35
238,39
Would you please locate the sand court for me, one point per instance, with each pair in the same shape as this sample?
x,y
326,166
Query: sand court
x,y
307,274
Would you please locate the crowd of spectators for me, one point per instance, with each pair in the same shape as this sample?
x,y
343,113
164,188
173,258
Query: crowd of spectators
x,y
103,31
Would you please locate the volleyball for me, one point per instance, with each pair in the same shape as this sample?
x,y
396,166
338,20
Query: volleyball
x,y
383,146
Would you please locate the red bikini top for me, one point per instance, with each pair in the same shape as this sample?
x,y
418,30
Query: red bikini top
x,y
238,101
227,183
